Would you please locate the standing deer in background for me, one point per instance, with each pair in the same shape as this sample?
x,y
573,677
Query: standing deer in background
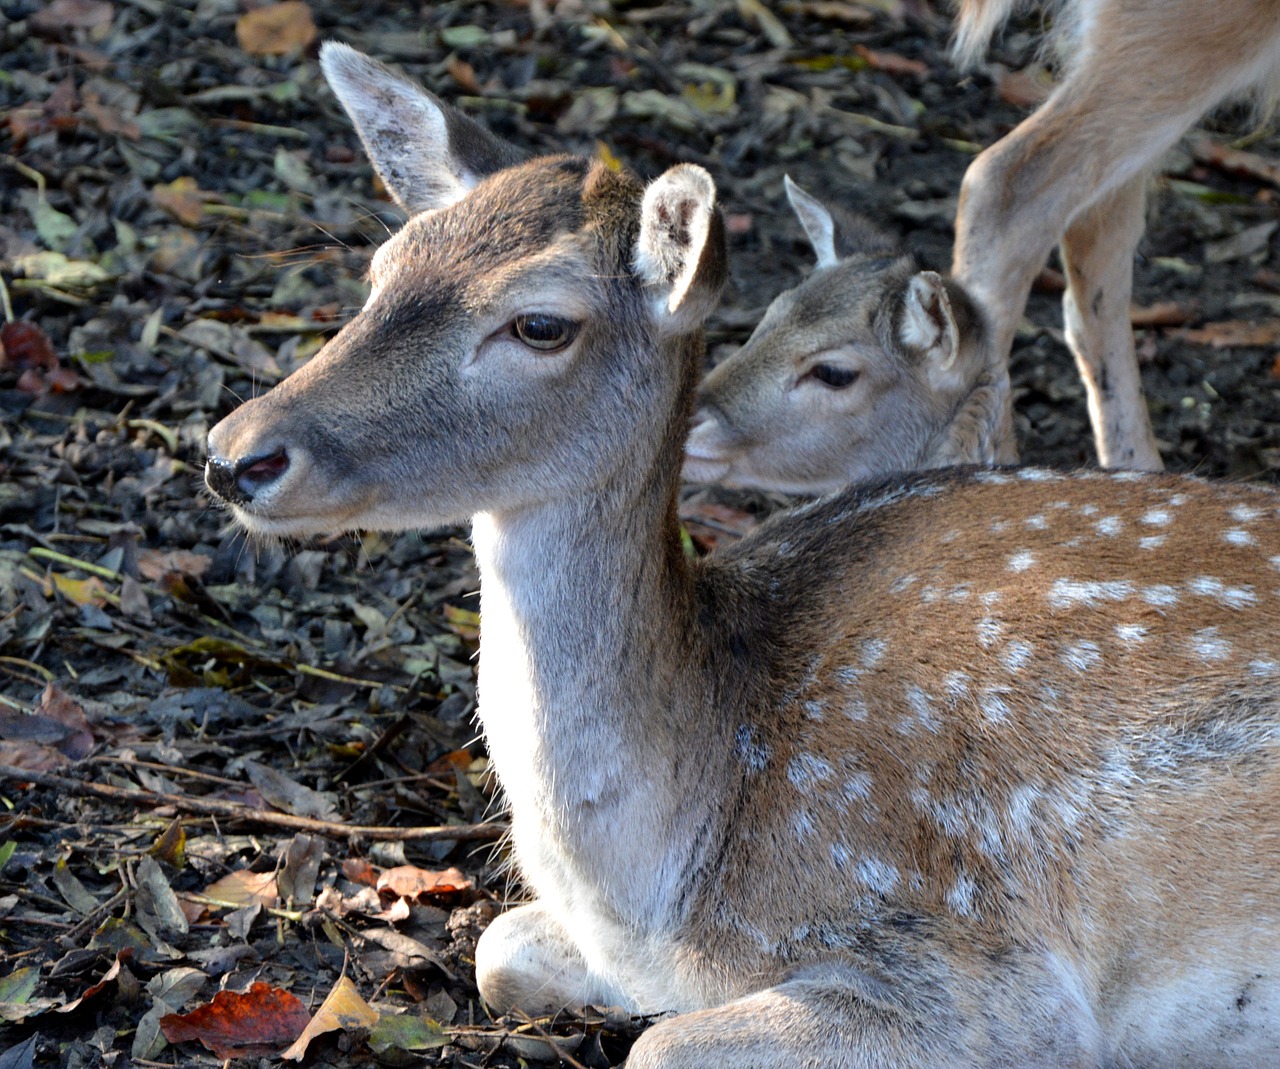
x,y
868,366
1136,74
971,768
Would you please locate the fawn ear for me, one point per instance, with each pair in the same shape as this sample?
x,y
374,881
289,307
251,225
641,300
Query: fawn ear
x,y
928,325
817,220
427,154
680,254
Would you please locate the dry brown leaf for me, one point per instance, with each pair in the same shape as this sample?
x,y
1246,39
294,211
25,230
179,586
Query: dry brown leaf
x,y
891,62
244,888
1233,332
277,29
154,564
1163,314
409,881
344,1009
92,15
182,199
1234,161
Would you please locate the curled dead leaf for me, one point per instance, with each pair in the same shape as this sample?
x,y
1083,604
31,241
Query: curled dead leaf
x,y
249,1024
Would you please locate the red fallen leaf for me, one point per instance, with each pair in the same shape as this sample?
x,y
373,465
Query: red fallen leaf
x,y
25,345
57,705
464,74
250,1024
110,120
891,62
62,380
357,870
409,881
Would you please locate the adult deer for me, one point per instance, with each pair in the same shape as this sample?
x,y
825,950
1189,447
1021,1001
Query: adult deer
x,y
1136,74
971,768
868,366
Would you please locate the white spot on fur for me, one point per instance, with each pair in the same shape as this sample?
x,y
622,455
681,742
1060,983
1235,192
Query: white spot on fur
x,y
856,708
1082,656
813,710
901,583
1109,526
753,754
1068,592
857,787
1233,597
1157,518
1128,476
1208,645
802,823
1151,541
956,686
840,856
1244,513
878,875
989,631
806,771
1162,596
1238,536
961,894
990,598
1021,561
960,592
1263,668
919,702
1088,510
1016,655
991,478
994,708
1021,799
872,650
1038,475
1036,522
1130,634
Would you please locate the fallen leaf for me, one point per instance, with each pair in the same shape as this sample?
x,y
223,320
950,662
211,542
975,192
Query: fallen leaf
x,y
1163,314
155,564
409,881
891,62
406,1031
343,1009
249,1024
276,29
243,888
92,15
25,345
1237,162
1235,332
357,870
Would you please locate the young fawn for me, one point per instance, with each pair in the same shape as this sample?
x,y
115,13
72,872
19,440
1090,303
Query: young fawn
x,y
868,366
971,768
1136,74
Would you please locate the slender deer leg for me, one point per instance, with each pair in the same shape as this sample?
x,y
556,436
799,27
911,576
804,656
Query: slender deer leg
x,y
1130,92
924,1006
1097,252
526,960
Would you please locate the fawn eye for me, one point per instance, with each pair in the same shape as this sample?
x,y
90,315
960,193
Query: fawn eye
x,y
543,332
832,375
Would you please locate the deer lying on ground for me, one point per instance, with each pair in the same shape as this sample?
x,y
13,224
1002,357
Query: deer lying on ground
x,y
868,366
1136,74
967,768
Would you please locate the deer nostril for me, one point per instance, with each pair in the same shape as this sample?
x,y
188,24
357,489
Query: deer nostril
x,y
238,481
254,474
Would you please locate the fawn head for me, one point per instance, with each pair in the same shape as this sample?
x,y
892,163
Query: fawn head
x,y
520,300
847,376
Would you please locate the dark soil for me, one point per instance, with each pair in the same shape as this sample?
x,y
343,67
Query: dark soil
x,y
182,222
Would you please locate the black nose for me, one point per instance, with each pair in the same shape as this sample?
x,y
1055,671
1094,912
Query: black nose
x,y
236,482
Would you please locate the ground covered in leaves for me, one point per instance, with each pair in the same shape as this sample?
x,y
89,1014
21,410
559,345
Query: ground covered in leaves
x,y
246,813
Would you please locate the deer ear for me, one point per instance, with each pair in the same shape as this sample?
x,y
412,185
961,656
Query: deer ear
x,y
427,154
680,254
929,326
817,220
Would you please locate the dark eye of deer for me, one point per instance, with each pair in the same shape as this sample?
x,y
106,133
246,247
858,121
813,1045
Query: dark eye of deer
x,y
832,375
545,333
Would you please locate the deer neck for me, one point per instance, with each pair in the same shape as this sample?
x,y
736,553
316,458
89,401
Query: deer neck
x,y
585,682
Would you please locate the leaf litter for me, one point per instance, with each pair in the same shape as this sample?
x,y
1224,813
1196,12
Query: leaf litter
x,y
242,782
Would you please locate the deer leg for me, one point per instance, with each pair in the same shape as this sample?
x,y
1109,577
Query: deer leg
x,y
1132,88
1097,253
913,1008
527,961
